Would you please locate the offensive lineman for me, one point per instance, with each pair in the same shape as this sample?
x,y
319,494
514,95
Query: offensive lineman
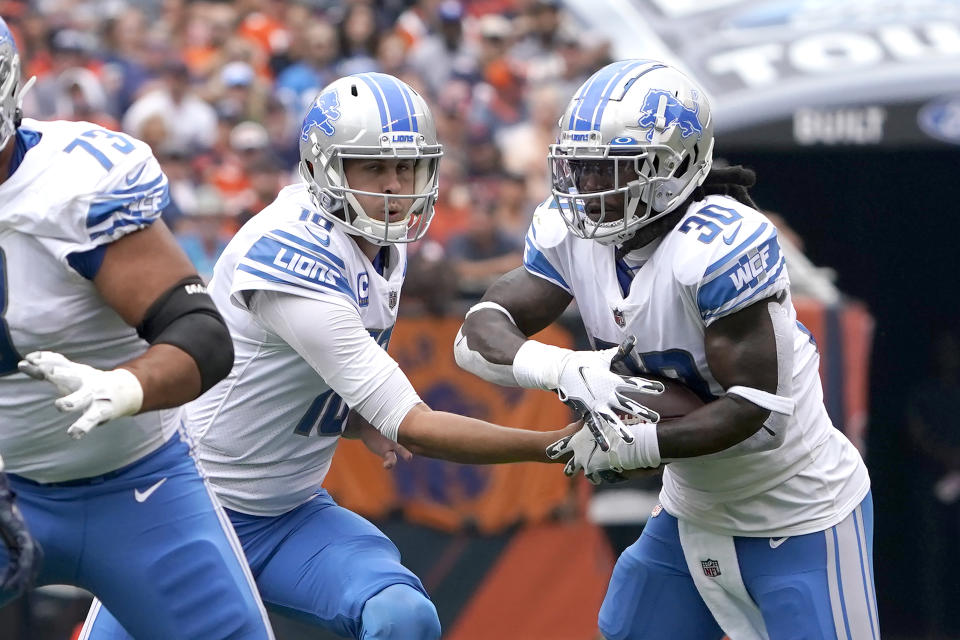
x,y
87,268
310,289
766,522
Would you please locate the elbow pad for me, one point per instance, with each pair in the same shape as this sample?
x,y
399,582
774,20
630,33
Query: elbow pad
x,y
474,362
186,317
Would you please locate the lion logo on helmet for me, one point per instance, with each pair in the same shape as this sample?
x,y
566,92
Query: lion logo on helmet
x,y
675,114
325,111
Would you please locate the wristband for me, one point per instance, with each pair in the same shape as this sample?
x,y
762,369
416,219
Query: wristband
x,y
538,365
128,393
645,450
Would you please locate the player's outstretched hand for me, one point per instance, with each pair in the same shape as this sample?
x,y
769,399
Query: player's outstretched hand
x,y
24,556
607,466
589,387
388,450
101,395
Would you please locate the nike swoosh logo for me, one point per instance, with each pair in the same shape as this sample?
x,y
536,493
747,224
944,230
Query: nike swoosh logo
x,y
729,238
776,542
141,496
133,177
325,241
584,378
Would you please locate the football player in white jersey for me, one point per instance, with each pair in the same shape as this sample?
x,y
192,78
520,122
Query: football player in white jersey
x,y
310,289
98,302
765,529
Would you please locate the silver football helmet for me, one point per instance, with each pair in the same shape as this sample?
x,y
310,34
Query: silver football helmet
x,y
370,115
11,89
638,132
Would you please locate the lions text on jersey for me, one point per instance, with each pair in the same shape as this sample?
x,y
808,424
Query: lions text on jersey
x,y
267,433
79,187
721,257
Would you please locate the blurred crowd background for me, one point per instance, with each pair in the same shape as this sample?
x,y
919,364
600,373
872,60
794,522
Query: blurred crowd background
x,y
219,89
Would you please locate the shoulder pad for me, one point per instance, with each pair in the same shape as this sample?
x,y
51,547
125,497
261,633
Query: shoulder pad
x,y
548,228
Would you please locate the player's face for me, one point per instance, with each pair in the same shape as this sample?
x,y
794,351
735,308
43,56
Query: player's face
x,y
381,176
597,176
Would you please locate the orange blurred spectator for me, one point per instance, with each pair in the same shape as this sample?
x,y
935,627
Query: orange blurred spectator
x,y
266,27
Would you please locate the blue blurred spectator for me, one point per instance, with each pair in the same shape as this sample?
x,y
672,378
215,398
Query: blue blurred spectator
x,y
123,70
316,51
202,233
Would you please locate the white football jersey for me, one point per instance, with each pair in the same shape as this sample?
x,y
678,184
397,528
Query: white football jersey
x,y
720,258
267,433
78,187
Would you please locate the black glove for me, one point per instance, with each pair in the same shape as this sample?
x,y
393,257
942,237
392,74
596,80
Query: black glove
x,y
24,554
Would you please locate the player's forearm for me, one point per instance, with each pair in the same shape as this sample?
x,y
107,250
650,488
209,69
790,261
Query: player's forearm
x,y
169,377
491,334
438,434
711,428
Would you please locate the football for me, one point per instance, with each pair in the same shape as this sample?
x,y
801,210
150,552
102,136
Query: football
x,y
677,399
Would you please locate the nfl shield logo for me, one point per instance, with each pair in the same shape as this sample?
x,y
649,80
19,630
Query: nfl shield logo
x,y
392,299
711,568
618,317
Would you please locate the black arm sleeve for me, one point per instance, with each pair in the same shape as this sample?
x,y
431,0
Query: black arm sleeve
x,y
186,317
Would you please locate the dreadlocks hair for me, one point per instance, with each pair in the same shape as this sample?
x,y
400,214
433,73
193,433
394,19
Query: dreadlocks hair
x,y
733,181
723,180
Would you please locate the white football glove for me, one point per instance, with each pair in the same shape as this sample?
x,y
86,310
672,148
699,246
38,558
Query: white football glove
x,y
101,395
643,451
584,382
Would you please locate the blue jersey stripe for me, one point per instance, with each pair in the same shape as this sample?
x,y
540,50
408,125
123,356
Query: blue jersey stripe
x,y
537,263
309,246
809,335
260,274
139,188
755,269
292,265
126,222
715,311
740,247
305,273
101,210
